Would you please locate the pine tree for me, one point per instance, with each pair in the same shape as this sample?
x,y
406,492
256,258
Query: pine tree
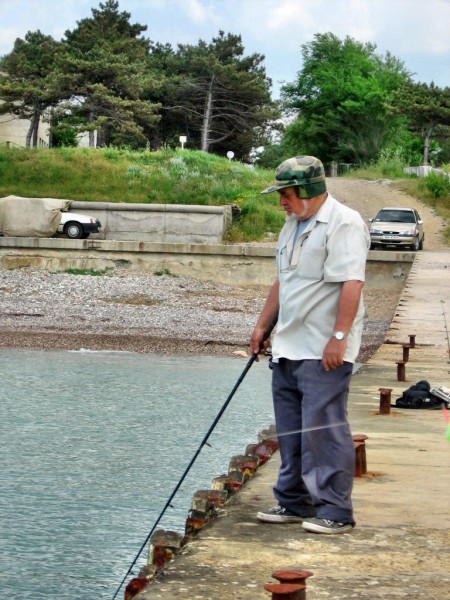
x,y
103,74
214,94
427,107
25,88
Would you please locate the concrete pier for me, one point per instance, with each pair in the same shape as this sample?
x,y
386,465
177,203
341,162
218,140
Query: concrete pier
x,y
400,547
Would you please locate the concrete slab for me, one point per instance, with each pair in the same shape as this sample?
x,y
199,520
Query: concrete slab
x,y
401,545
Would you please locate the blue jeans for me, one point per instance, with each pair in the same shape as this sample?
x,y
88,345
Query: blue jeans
x,y
316,444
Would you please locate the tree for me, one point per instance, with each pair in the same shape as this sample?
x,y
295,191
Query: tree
x,y
427,107
104,76
25,82
339,99
214,94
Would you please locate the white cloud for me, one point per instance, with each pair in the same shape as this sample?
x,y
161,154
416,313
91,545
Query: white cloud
x,y
415,31
8,37
195,10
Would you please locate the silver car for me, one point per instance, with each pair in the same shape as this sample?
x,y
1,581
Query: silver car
x,y
396,227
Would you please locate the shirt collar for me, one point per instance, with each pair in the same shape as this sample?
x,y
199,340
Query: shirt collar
x,y
325,210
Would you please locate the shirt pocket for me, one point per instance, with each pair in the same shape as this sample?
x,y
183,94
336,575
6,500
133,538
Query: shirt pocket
x,y
312,259
283,259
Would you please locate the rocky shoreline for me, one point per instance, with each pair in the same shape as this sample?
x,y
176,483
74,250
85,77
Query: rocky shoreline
x,y
142,312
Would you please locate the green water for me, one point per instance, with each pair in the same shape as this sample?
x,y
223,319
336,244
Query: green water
x,y
92,445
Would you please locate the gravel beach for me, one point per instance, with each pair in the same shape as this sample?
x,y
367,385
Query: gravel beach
x,y
142,312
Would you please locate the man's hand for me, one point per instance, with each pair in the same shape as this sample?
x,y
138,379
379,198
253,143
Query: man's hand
x,y
267,319
256,344
333,355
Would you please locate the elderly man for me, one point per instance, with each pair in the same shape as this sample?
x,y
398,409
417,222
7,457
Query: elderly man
x,y
321,256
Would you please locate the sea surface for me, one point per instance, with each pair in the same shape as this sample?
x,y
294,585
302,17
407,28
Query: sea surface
x,y
92,444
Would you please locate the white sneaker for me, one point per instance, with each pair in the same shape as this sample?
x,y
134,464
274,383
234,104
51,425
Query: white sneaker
x,y
278,514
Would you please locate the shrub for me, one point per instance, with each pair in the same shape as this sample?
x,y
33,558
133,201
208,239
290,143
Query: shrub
x,y
437,184
391,163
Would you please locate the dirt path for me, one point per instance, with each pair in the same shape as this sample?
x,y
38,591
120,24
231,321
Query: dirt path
x,y
368,197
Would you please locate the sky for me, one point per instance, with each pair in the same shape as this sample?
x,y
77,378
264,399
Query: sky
x,y
414,31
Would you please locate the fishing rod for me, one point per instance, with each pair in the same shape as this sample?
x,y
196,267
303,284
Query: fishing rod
x,y
446,330
252,359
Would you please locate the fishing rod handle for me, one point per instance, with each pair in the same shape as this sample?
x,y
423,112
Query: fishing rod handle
x,y
269,330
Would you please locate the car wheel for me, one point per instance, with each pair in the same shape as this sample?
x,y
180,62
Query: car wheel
x,y
416,244
74,230
421,243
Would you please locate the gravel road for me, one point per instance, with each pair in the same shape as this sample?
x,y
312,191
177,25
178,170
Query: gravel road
x,y
164,314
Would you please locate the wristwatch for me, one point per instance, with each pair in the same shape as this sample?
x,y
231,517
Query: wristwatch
x,y
339,335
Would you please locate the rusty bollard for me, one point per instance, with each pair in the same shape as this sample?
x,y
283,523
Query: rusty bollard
x,y
401,376
286,591
134,587
406,348
245,464
412,340
360,454
293,576
227,484
164,545
269,437
261,450
207,501
385,400
204,507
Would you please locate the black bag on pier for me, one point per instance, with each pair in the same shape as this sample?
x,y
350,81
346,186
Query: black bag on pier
x,y
419,396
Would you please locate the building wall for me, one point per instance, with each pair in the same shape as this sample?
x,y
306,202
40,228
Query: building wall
x,y
14,131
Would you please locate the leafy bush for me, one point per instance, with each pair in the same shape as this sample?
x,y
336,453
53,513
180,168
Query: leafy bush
x,y
391,163
437,184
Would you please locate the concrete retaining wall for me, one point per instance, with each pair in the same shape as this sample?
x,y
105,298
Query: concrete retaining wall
x,y
423,171
240,264
166,223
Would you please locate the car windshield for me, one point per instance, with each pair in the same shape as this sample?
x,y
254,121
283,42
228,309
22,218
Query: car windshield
x,y
396,216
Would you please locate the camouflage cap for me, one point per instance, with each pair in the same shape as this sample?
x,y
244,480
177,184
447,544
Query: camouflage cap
x,y
304,171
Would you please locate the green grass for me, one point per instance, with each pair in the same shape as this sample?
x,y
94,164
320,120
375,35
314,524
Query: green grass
x,y
163,177
90,272
164,272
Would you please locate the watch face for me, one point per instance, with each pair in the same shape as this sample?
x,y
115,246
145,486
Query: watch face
x,y
339,335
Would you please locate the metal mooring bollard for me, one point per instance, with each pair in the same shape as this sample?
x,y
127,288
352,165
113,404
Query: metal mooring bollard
x,y
406,348
401,371
412,340
286,591
294,576
360,454
385,400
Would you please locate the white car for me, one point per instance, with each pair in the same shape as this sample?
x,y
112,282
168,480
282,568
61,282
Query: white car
x,y
76,226
394,226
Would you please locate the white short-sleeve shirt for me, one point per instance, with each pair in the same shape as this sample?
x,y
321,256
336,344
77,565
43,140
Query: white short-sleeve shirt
x,y
332,249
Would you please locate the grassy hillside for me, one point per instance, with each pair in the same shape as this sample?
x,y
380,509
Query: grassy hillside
x,y
171,177
167,176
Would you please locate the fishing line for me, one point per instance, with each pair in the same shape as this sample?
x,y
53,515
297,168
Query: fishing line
x,y
194,458
446,330
315,428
